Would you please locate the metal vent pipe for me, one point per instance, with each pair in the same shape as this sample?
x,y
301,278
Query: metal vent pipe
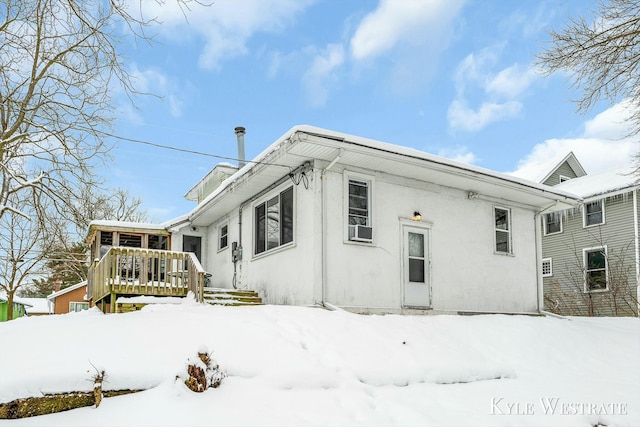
x,y
240,131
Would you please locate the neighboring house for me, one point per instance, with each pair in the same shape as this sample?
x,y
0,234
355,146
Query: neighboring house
x,y
19,308
38,306
322,217
591,255
70,299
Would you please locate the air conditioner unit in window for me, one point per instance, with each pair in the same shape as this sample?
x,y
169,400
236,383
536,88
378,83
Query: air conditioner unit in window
x,y
363,233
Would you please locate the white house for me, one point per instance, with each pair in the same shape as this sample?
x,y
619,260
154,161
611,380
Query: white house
x,y
322,217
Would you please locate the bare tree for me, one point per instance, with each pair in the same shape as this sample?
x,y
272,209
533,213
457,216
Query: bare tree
x,y
601,55
66,260
94,204
25,241
60,66
568,294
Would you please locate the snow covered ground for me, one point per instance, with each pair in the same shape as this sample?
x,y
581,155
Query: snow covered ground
x,y
308,366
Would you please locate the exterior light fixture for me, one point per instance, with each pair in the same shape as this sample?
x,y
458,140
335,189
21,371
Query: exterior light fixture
x,y
416,216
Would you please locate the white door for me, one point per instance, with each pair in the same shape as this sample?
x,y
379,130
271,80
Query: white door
x,y
416,263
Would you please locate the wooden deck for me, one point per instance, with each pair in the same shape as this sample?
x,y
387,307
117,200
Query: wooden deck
x,y
135,271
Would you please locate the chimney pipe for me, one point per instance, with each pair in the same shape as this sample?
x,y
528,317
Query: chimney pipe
x,y
240,131
57,285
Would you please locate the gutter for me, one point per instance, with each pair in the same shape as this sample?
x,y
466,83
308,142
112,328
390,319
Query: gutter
x,y
462,167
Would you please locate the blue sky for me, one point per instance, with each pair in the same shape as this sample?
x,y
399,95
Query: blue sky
x,y
450,77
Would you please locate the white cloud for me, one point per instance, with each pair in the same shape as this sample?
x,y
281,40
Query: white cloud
x,y
510,82
321,73
473,69
153,81
405,39
611,123
462,117
602,146
407,21
500,92
459,154
224,26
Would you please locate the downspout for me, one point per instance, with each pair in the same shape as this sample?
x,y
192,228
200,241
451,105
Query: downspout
x,y
538,242
323,214
636,238
539,280
249,200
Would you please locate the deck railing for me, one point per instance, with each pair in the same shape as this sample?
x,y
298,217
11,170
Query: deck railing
x,y
137,271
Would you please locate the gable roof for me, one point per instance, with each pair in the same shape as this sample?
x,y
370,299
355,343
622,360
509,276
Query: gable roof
x,y
54,295
610,183
541,171
305,143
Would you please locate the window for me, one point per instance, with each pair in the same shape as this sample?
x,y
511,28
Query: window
x,y
359,206
223,236
553,223
106,241
503,230
158,242
274,222
130,240
595,269
564,178
78,306
547,267
593,213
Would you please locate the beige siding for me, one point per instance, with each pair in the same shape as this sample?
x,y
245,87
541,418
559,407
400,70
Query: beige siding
x,y
564,290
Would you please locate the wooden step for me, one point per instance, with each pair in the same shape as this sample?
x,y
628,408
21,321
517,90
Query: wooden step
x,y
231,297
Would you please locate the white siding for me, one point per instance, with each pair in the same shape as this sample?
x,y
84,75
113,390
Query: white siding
x,y
466,273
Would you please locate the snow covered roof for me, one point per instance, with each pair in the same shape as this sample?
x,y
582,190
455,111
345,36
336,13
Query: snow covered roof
x,y
608,182
36,305
542,170
210,181
16,300
54,295
111,225
305,142
129,224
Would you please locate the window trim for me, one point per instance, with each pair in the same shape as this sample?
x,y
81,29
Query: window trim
x,y
349,176
508,231
264,201
550,261
584,214
545,225
586,271
220,236
74,303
